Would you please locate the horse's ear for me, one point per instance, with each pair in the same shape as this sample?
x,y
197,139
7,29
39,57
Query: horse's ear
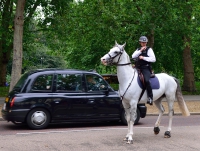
x,y
116,43
124,45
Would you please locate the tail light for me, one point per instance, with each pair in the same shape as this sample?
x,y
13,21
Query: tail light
x,y
12,102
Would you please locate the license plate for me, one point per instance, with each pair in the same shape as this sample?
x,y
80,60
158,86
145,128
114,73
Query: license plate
x,y
4,106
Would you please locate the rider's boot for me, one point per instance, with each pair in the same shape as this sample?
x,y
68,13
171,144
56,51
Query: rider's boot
x,y
149,93
150,101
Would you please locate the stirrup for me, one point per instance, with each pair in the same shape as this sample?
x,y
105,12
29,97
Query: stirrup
x,y
150,101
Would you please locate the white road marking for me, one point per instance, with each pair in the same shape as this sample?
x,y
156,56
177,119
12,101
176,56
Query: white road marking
x,y
83,130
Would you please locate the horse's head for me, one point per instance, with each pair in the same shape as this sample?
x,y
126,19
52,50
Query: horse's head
x,y
114,55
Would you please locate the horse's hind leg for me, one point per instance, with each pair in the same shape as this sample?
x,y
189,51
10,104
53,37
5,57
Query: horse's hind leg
x,y
161,112
170,101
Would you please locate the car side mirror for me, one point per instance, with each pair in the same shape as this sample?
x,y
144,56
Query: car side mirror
x,y
108,90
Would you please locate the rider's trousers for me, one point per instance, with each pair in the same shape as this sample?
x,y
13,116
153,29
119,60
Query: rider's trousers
x,y
147,74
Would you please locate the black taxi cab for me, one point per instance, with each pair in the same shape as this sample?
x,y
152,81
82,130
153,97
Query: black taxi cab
x,y
46,96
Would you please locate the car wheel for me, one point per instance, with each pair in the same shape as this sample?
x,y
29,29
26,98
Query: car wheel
x,y
123,117
38,118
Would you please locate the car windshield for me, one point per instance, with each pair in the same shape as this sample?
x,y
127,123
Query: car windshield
x,y
21,82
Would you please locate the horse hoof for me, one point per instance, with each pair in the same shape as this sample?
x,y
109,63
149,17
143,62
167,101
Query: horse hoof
x,y
125,139
156,130
129,142
167,134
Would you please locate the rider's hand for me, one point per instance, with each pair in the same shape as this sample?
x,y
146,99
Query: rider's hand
x,y
102,86
141,57
143,48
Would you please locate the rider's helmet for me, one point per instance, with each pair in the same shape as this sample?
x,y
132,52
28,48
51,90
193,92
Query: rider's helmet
x,y
143,39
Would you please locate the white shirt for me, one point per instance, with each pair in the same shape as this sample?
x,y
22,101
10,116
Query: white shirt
x,y
150,53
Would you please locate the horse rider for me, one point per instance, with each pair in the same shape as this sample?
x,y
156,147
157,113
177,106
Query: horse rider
x,y
145,56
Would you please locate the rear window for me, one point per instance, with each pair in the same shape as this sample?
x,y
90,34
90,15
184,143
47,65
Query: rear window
x,y
43,82
21,82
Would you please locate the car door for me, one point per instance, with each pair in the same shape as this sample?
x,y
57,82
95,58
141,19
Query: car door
x,y
69,99
105,100
39,90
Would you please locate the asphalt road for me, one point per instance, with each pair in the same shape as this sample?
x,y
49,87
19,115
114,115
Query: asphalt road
x,y
103,137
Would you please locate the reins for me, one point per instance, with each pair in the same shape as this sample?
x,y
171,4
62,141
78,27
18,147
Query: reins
x,y
127,87
122,64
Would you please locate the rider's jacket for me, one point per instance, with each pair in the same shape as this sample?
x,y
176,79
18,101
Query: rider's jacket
x,y
140,62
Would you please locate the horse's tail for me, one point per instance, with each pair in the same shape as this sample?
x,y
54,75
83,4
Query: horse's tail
x,y
181,102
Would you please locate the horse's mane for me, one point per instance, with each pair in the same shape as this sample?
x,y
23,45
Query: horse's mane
x,y
128,57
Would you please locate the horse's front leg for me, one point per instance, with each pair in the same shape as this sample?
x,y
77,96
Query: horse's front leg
x,y
127,113
130,116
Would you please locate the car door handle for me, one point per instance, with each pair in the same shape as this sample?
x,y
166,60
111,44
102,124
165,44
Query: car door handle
x,y
91,101
56,101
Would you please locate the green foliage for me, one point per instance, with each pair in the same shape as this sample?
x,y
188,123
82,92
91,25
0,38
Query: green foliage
x,y
38,56
4,91
81,33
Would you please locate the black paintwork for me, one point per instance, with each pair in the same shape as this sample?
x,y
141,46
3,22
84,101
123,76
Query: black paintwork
x,y
73,106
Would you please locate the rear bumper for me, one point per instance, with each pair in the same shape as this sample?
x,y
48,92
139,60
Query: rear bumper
x,y
14,115
143,110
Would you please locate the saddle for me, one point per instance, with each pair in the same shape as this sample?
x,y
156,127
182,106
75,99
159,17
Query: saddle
x,y
142,83
141,77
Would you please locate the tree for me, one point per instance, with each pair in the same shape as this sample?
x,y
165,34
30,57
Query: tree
x,y
86,30
189,80
50,8
97,24
17,46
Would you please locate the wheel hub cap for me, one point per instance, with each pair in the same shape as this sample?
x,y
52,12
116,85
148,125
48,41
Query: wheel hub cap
x,y
38,118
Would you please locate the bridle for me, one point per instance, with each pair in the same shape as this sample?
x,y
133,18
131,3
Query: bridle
x,y
120,53
117,64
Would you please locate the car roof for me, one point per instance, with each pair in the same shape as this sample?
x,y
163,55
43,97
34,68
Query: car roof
x,y
59,69
111,75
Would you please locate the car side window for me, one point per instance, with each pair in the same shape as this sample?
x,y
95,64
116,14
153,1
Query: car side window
x,y
43,82
69,82
95,83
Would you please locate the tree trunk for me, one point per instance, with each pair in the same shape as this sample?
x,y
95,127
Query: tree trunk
x,y
188,82
151,39
17,43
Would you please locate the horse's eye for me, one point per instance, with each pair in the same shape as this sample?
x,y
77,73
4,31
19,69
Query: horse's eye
x,y
116,52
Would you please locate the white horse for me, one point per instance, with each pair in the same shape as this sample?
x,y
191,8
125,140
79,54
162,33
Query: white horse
x,y
130,91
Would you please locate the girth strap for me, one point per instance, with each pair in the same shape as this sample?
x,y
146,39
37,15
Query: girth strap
x,y
141,95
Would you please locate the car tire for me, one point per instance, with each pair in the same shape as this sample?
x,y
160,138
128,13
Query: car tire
x,y
38,118
123,117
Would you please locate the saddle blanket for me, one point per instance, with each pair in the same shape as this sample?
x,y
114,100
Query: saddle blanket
x,y
154,83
